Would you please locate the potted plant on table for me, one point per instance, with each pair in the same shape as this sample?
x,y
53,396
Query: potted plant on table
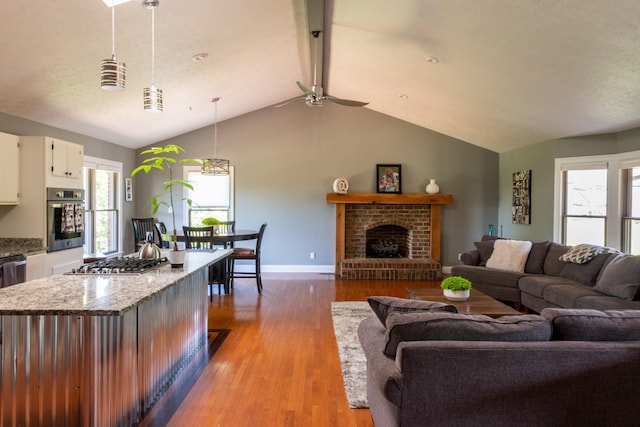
x,y
163,160
456,288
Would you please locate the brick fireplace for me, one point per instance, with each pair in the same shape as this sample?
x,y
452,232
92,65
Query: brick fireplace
x,y
412,221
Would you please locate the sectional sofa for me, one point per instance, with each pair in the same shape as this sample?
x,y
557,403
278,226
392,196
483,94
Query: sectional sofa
x,y
550,275
429,366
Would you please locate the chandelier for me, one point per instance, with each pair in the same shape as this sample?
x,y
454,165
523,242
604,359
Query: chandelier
x,y
215,166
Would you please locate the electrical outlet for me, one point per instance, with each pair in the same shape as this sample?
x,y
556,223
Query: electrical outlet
x,y
460,257
312,255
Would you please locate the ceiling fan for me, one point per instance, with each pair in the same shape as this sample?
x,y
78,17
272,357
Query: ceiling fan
x,y
315,96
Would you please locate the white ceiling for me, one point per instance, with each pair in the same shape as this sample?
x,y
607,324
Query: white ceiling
x,y
510,73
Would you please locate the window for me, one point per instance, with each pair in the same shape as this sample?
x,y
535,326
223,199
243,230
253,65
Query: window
x,y
631,218
212,196
585,206
102,206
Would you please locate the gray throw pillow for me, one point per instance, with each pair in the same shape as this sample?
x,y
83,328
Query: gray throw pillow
x,y
621,277
485,249
537,255
382,306
593,325
585,273
462,327
552,264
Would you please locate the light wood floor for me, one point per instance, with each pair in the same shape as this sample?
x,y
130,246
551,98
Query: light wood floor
x,y
279,365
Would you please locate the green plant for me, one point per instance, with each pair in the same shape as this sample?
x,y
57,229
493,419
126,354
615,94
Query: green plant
x,y
456,283
210,221
163,160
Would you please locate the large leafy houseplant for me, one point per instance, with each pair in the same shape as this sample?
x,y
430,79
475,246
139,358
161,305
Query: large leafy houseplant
x,y
163,160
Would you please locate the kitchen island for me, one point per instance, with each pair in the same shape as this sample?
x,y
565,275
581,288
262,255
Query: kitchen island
x,y
98,350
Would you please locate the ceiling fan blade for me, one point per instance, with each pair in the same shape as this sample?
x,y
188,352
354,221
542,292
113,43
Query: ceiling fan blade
x,y
346,102
291,101
304,88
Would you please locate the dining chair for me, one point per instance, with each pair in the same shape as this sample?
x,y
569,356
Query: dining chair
x,y
225,227
247,254
160,230
141,226
201,238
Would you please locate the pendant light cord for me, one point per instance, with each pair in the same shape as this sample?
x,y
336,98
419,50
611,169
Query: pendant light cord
x,y
153,46
113,29
215,127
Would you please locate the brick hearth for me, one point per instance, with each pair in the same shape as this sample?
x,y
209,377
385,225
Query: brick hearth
x,y
418,214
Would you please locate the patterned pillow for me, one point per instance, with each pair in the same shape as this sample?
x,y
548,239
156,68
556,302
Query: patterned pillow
x,y
584,252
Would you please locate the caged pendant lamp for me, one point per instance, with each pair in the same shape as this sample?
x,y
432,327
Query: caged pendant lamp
x,y
152,96
215,166
112,71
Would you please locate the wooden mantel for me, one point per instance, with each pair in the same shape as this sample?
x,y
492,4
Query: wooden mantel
x,y
390,199
435,200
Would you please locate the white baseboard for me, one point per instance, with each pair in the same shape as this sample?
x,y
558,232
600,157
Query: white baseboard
x,y
290,268
446,269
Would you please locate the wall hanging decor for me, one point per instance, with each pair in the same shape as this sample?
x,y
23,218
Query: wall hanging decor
x,y
388,178
521,198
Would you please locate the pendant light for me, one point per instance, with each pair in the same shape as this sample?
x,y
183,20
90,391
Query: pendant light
x,y
152,96
215,166
112,71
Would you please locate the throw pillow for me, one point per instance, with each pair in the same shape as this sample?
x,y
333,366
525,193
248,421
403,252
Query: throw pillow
x,y
485,249
382,306
584,252
510,255
593,325
585,273
537,255
621,277
462,327
552,264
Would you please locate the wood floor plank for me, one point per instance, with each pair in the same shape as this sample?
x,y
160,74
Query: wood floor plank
x,y
279,365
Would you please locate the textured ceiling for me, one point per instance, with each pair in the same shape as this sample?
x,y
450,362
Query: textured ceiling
x,y
510,72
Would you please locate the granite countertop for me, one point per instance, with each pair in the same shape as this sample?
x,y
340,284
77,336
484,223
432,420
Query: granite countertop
x,y
96,294
21,246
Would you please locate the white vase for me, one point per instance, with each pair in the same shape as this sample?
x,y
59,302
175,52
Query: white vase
x,y
456,295
176,258
432,187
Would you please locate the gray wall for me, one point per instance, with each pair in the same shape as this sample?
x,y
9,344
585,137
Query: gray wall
x,y
540,158
92,147
286,160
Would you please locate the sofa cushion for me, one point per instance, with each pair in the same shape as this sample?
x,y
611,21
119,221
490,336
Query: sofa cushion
x,y
383,305
478,274
510,255
585,273
470,257
621,277
552,263
535,285
462,327
567,295
485,249
584,252
593,325
537,255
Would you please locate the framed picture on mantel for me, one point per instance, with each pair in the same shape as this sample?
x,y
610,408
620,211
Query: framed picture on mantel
x,y
388,178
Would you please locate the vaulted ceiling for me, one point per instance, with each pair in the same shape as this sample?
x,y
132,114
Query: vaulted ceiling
x,y
499,74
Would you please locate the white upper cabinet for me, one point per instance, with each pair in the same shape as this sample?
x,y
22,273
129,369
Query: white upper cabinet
x,y
10,170
66,159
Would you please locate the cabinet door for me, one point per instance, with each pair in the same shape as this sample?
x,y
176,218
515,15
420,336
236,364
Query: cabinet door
x,y
66,159
10,170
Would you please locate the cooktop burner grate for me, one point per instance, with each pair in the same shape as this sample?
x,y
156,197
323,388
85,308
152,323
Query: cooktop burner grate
x,y
121,265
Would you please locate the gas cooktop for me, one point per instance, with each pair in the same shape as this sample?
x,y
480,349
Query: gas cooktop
x,y
121,265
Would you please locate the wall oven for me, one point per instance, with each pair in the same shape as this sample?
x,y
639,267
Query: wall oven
x,y
65,218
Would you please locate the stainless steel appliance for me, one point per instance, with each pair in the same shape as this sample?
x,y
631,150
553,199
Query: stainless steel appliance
x,y
121,265
65,218
12,274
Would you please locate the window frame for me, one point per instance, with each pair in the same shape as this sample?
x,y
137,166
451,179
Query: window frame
x,y
110,166
186,210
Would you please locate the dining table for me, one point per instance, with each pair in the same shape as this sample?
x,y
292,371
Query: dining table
x,y
226,240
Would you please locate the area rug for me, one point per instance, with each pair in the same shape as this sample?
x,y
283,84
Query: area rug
x,y
346,318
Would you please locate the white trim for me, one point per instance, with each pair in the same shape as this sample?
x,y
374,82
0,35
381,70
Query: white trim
x,y
289,268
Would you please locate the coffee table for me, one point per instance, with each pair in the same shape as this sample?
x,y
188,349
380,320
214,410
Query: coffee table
x,y
478,302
